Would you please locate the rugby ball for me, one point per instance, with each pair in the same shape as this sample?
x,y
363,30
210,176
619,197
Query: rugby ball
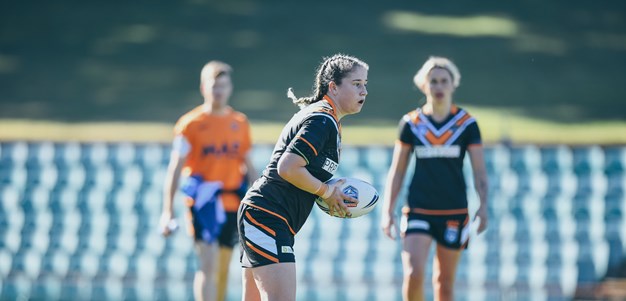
x,y
358,189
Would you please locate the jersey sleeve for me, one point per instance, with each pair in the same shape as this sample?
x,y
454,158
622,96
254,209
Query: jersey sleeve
x,y
312,136
182,128
405,133
473,134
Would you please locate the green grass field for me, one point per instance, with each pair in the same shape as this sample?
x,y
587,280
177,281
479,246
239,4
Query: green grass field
x,y
496,126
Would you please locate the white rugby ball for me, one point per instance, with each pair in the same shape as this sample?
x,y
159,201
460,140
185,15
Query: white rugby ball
x,y
358,189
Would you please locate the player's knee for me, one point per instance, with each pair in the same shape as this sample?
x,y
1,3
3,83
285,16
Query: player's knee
x,y
444,285
414,275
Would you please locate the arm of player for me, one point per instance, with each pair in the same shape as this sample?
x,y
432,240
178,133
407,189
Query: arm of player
x,y
480,183
178,156
395,178
291,167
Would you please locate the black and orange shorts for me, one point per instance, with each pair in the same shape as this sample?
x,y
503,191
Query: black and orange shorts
x,y
265,237
449,228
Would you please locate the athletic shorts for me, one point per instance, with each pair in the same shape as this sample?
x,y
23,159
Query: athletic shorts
x,y
227,236
449,230
264,237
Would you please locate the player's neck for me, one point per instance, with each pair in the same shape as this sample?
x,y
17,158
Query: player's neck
x,y
210,109
438,110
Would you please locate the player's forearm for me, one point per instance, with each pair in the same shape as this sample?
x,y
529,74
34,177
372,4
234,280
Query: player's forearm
x,y
394,184
301,178
482,188
169,191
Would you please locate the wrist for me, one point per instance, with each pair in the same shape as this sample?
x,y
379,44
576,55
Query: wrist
x,y
329,191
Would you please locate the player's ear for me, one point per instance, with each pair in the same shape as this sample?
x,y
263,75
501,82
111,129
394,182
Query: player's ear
x,y
332,88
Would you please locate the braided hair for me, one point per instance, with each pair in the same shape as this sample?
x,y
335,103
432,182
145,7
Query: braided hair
x,y
334,68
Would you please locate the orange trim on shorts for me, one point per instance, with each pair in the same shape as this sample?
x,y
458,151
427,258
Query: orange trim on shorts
x,y
309,143
274,214
268,256
406,210
264,227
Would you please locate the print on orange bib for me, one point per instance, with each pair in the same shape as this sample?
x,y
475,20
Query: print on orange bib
x,y
219,145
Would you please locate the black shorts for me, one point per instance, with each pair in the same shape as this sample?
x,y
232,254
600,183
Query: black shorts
x,y
227,236
265,238
451,231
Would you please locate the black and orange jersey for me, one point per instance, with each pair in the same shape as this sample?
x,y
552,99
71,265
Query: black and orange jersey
x,y
219,144
439,149
314,133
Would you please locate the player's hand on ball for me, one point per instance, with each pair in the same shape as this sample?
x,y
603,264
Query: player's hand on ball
x,y
336,200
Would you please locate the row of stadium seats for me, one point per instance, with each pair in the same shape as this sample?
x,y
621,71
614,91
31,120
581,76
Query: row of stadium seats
x,y
79,221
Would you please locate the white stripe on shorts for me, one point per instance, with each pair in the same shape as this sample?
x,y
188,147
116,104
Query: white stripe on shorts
x,y
259,238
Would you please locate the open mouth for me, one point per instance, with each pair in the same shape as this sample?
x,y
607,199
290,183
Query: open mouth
x,y
361,101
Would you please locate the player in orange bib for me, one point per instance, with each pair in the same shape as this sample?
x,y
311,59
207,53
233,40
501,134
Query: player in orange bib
x,y
210,151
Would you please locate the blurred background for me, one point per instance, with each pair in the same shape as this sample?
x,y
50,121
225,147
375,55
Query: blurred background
x,y
78,218
140,60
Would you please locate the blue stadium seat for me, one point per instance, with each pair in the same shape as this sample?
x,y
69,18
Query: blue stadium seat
x,y
377,159
121,154
144,267
94,155
56,264
615,160
6,262
108,289
149,155
16,288
587,159
556,159
260,156
47,288
497,159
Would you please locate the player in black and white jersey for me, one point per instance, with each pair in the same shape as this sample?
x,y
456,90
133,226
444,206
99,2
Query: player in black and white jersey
x,y
305,156
438,134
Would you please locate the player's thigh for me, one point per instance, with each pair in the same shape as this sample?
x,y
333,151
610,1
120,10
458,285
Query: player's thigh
x,y
206,253
276,281
415,250
446,261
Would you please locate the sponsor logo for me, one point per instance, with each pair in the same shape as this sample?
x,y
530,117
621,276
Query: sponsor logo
x,y
286,249
452,232
330,166
452,151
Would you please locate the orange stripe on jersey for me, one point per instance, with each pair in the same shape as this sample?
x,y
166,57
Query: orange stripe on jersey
x,y
406,210
309,143
274,214
463,119
434,140
334,112
415,116
268,256
264,227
